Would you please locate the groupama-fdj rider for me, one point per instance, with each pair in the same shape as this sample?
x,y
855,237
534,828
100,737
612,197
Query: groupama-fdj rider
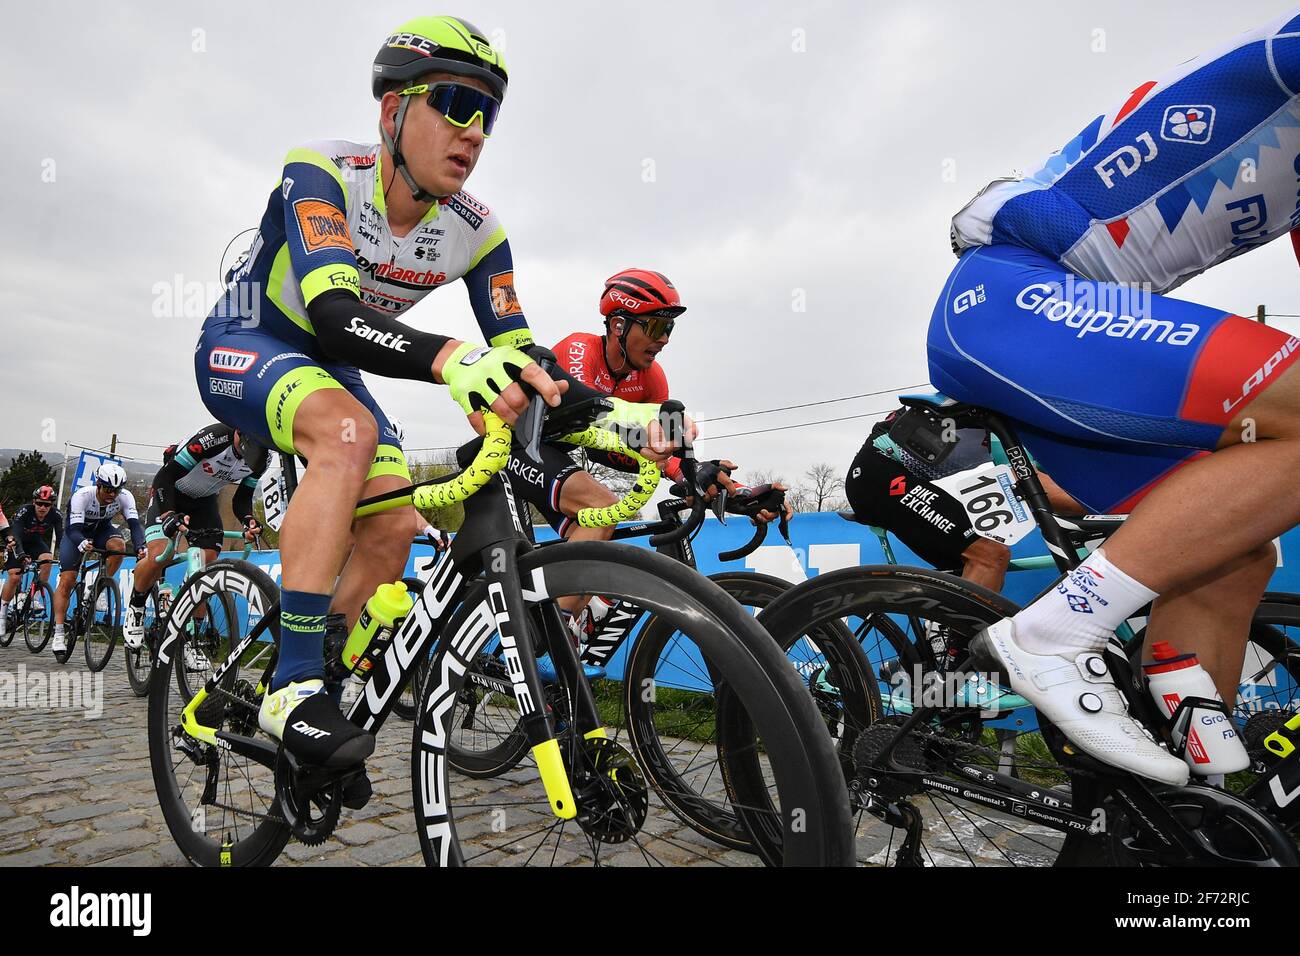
x,y
1056,316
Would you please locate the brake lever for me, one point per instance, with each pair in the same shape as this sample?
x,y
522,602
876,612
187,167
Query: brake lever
x,y
528,428
720,505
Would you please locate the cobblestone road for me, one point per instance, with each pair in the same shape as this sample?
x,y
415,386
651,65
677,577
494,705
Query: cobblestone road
x,y
78,790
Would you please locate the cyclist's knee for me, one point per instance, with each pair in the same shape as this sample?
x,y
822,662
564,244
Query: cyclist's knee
x,y
988,555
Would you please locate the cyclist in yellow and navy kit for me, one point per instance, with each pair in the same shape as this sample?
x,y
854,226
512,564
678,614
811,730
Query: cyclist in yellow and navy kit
x,y
353,236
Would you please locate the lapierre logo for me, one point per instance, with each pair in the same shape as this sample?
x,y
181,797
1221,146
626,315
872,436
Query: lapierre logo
x,y
226,386
968,299
1127,160
1257,377
389,340
231,361
77,909
1043,299
1188,124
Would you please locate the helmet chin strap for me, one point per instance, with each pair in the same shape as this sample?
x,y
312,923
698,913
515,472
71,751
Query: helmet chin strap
x,y
418,192
622,347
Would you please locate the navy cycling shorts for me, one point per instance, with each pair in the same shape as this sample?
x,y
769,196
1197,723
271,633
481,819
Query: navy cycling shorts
x,y
254,381
70,555
1112,388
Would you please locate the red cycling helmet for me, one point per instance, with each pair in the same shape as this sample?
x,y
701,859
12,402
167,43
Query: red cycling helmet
x,y
640,292
43,495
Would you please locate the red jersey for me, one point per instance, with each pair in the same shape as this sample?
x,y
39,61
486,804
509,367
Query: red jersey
x,y
582,355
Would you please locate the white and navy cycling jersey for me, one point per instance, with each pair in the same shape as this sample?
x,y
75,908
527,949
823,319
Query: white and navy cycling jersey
x,y
86,509
1190,169
326,227
89,519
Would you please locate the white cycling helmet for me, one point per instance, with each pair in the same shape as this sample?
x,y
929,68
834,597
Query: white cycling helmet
x,y
111,476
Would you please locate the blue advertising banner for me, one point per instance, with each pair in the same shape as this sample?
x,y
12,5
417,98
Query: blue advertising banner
x,y
822,543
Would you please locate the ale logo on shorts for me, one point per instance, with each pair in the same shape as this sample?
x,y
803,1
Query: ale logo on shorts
x,y
969,299
1188,124
231,361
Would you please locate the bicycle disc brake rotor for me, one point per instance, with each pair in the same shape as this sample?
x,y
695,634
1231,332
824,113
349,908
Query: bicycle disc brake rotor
x,y
610,792
1231,832
311,808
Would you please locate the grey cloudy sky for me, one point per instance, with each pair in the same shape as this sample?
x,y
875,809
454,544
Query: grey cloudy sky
x,y
795,146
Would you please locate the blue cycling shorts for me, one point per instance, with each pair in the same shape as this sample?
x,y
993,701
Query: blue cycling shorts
x,y
1111,387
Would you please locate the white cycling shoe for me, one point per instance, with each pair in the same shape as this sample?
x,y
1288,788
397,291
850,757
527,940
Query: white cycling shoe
x,y
1077,693
60,644
133,629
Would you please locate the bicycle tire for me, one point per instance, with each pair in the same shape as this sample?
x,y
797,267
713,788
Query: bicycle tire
x,y
103,628
139,662
35,624
965,608
206,641
678,769
37,630
237,843
803,762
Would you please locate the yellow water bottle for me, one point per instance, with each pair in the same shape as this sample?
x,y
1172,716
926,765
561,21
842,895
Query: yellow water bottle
x,y
374,628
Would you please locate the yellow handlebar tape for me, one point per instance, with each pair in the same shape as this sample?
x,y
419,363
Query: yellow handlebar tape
x,y
625,508
491,458
494,454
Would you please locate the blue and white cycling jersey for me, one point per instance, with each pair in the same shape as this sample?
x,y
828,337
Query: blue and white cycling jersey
x,y
1191,169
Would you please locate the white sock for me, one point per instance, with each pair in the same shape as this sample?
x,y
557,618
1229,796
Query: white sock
x,y
58,630
1083,610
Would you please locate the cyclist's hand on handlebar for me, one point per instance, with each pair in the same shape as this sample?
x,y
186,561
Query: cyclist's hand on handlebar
x,y
763,504
173,523
252,528
482,377
86,546
661,446
141,553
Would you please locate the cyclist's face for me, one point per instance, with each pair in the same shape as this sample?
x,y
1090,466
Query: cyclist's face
x,y
105,495
440,155
641,349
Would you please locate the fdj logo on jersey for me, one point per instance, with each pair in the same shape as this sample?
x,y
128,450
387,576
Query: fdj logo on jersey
x,y
1126,160
1188,124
